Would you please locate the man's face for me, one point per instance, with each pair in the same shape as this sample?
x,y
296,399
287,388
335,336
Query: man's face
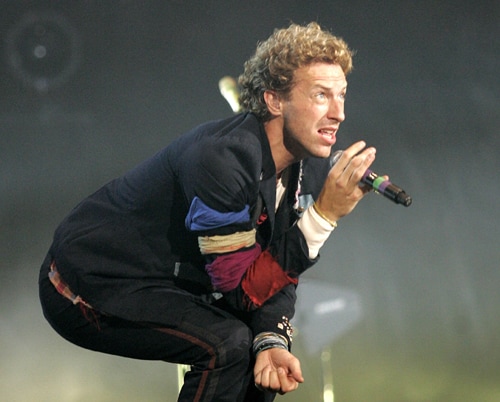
x,y
314,110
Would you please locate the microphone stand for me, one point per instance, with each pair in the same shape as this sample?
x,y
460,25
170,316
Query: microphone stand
x,y
326,371
182,369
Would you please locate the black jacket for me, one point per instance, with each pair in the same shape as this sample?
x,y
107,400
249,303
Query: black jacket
x,y
124,244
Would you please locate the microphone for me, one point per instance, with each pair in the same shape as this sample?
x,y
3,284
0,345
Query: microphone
x,y
379,184
386,188
228,88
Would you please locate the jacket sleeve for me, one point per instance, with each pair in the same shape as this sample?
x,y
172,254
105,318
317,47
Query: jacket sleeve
x,y
220,180
275,315
287,257
221,183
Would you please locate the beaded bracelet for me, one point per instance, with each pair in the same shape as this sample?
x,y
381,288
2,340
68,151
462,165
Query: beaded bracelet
x,y
268,340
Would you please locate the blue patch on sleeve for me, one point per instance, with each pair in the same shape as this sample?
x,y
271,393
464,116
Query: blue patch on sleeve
x,y
305,201
201,217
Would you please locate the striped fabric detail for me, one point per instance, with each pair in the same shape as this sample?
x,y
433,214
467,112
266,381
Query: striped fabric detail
x,y
226,243
62,288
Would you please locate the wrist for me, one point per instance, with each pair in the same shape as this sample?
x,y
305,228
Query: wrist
x,y
268,340
319,212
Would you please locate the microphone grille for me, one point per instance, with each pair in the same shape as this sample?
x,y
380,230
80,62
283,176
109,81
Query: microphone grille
x,y
334,157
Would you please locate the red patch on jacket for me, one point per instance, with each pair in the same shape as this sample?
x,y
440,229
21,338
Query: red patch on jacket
x,y
264,278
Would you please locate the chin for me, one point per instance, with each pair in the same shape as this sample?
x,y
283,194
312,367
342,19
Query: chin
x,y
323,153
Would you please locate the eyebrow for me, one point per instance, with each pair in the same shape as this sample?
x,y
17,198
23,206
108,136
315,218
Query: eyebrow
x,y
321,86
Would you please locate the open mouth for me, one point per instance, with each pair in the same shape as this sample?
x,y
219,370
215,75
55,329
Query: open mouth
x,y
327,133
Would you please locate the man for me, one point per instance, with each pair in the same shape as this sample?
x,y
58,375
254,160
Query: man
x,y
193,256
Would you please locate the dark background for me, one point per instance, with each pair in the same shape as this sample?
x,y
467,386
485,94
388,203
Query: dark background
x,y
411,307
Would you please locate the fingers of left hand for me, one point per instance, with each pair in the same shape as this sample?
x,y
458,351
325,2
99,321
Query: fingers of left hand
x,y
287,383
258,381
268,379
275,381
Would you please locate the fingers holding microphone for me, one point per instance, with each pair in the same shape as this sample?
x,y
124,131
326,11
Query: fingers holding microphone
x,y
341,191
352,165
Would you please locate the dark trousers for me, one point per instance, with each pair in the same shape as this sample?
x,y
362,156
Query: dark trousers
x,y
216,344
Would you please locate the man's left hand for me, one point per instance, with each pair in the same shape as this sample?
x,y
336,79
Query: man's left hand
x,y
277,370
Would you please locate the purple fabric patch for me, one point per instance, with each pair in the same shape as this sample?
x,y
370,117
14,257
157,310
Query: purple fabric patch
x,y
227,270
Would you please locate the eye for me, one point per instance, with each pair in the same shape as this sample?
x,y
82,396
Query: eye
x,y
321,96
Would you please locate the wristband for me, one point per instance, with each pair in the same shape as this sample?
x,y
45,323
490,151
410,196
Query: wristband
x,y
268,340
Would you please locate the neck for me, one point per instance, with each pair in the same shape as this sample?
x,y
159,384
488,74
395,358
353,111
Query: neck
x,y
281,155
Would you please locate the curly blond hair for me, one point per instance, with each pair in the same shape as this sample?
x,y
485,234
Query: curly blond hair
x,y
275,60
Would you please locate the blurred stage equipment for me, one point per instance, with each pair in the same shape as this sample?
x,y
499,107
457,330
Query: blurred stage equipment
x,y
43,50
324,313
228,88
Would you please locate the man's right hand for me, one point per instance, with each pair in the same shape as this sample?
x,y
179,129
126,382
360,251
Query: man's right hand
x,y
341,191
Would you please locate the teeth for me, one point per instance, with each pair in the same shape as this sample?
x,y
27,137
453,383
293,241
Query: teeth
x,y
327,132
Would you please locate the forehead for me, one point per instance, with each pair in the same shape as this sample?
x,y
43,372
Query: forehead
x,y
324,74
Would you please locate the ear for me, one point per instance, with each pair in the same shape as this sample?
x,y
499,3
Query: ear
x,y
273,102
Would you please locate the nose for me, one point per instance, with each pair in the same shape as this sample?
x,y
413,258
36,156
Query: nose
x,y
336,110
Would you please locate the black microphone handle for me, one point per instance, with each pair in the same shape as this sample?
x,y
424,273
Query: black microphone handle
x,y
386,188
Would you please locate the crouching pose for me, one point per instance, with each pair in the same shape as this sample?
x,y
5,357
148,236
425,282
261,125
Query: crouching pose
x,y
194,256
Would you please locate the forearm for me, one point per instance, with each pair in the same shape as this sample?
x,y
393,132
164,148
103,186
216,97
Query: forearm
x,y
316,230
